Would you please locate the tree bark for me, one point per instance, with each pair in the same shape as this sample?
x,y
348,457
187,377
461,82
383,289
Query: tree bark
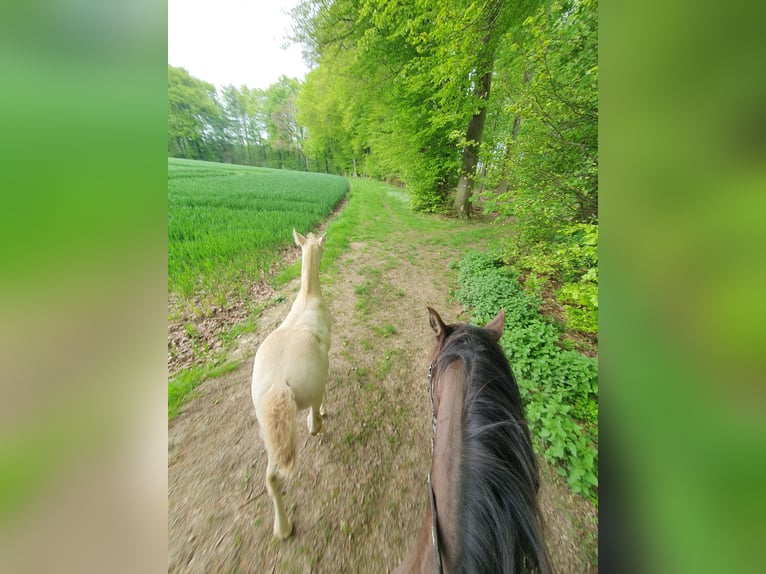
x,y
473,142
247,141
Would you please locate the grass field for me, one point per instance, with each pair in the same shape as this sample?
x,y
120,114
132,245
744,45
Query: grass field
x,y
227,223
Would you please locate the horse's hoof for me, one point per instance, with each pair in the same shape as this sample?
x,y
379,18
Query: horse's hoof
x,y
282,535
314,428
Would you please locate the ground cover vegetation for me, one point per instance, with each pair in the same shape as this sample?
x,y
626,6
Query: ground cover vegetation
x,y
559,386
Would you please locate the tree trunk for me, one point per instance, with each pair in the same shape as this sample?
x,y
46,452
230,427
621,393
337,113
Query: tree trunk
x,y
473,142
248,146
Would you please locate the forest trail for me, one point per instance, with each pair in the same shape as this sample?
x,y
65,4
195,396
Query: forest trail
x,y
358,492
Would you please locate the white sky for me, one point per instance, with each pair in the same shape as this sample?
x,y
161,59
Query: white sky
x,y
233,41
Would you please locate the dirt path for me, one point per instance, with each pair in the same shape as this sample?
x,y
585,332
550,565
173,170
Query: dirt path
x,y
359,491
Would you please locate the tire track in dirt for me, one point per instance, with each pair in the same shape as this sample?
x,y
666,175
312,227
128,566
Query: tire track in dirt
x,y
359,491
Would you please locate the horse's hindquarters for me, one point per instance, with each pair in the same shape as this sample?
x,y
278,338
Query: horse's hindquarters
x,y
297,357
307,380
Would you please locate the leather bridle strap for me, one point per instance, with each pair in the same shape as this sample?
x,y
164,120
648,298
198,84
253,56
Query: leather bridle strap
x,y
434,528
432,496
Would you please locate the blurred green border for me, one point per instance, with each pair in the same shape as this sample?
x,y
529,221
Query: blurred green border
x,y
682,309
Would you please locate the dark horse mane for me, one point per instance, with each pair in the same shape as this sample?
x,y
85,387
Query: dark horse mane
x,y
499,523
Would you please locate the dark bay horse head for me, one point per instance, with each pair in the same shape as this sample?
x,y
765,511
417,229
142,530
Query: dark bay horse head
x,y
483,515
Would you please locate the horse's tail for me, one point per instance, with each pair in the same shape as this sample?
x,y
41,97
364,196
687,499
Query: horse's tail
x,y
278,426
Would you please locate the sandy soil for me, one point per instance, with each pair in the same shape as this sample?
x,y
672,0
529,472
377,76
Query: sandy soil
x,y
359,490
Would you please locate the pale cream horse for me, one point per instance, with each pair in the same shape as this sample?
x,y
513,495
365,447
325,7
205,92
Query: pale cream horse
x,y
289,375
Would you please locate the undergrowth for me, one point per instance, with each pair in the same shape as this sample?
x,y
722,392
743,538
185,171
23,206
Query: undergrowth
x,y
559,386
570,255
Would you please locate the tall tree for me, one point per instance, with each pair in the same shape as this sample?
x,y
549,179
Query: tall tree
x,y
320,108
486,23
423,68
285,135
194,116
236,111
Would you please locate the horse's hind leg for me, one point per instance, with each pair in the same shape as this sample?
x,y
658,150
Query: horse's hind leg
x,y
282,526
322,410
314,419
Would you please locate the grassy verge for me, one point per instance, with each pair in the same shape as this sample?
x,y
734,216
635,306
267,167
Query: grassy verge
x,y
181,387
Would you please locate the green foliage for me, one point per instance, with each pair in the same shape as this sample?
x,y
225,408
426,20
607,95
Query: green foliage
x,y
284,134
579,295
541,152
559,387
194,116
398,82
236,125
545,172
580,301
336,114
571,259
226,224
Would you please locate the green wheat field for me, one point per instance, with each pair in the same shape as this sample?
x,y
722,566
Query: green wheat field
x,y
227,223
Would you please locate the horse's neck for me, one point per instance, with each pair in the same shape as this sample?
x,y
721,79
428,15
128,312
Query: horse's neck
x,y
310,277
308,308
447,459
445,469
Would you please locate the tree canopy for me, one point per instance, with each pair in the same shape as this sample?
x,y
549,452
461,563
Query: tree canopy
x,y
410,86
471,104
236,124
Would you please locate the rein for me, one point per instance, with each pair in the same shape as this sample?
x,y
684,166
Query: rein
x,y
432,496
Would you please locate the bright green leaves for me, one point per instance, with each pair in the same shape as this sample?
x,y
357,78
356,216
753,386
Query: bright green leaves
x,y
399,80
541,142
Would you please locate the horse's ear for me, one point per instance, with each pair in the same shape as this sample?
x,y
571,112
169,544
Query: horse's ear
x,y
496,325
436,323
321,240
299,239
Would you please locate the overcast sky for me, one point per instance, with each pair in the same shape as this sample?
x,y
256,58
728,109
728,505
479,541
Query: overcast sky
x,y
233,41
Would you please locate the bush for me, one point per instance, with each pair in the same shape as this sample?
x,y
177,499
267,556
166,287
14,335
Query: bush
x,y
570,259
559,387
